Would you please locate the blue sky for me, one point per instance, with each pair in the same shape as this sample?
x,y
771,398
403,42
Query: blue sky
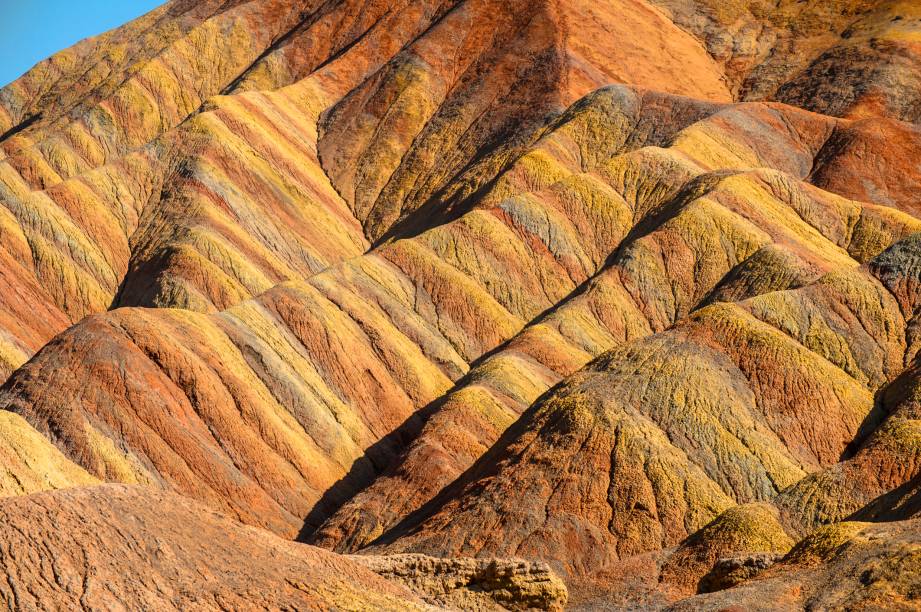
x,y
31,30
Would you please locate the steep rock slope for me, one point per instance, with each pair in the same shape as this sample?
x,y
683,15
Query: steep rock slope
x,y
686,423
852,58
105,204
265,407
413,275
715,230
876,479
398,87
77,177
31,463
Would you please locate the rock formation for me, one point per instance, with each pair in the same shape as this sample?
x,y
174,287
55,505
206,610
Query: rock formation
x,y
509,301
473,584
842,566
122,547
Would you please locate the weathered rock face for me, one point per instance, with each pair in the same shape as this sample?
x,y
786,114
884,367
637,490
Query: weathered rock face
x,y
855,566
269,418
473,584
593,285
733,547
128,180
685,423
853,58
133,548
31,463
728,572
695,233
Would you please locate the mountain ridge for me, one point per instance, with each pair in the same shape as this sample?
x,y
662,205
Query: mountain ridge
x,y
588,284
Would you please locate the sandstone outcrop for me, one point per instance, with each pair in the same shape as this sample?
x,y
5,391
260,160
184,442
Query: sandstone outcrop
x,y
728,572
473,584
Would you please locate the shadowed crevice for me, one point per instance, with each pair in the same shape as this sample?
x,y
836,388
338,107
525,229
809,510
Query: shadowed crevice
x,y
23,125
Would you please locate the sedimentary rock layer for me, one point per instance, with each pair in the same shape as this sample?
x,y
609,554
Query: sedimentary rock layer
x,y
628,288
